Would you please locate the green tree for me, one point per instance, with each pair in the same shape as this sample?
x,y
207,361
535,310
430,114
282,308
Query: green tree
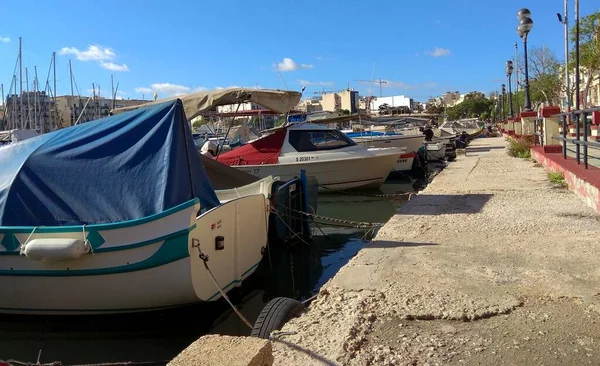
x,y
475,104
544,77
589,50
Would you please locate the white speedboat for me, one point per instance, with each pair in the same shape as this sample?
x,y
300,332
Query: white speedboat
x,y
118,215
409,144
335,160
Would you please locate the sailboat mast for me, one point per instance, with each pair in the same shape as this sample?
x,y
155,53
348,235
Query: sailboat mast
x,y
3,105
20,82
14,120
94,98
72,96
55,115
112,90
28,105
36,87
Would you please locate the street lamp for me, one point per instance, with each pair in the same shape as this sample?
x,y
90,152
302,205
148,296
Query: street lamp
x,y
509,71
503,102
525,25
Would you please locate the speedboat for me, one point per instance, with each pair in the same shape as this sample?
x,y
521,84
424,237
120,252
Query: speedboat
x,y
118,215
409,144
336,161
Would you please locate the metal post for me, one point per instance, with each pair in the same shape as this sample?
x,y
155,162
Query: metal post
x,y
503,102
567,81
585,138
564,141
527,106
516,67
510,105
577,99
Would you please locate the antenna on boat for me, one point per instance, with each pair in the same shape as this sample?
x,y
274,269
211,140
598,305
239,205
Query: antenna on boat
x,y
280,75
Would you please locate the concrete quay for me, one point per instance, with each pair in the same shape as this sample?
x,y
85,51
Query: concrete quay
x,y
491,264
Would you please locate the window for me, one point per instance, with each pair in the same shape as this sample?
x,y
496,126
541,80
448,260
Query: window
x,y
306,140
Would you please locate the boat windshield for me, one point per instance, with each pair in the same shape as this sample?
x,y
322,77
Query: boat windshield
x,y
315,140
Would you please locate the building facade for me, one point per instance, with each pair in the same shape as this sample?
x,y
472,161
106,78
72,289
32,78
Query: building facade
x,y
33,110
73,108
344,100
393,101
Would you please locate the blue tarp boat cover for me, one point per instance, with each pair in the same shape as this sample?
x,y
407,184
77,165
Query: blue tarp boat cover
x,y
118,168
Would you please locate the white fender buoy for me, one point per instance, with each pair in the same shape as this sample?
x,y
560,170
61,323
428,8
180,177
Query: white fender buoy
x,y
55,249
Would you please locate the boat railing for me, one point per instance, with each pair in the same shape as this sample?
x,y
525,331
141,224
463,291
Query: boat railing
x,y
583,128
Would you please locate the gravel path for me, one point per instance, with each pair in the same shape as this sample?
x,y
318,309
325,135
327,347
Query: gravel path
x,y
490,264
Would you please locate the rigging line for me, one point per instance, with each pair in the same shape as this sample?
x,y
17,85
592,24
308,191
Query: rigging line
x,y
277,67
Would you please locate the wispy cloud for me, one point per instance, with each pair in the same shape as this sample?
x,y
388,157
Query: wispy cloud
x,y
227,87
290,65
317,83
113,67
93,53
103,55
325,58
4,39
168,89
400,85
438,52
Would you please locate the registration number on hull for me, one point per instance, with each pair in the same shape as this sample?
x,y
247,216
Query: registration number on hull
x,y
251,171
401,160
306,158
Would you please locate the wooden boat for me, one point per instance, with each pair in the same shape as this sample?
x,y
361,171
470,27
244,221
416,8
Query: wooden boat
x,y
118,215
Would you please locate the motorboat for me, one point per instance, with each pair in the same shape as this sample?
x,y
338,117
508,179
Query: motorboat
x,y
409,144
336,161
118,215
16,135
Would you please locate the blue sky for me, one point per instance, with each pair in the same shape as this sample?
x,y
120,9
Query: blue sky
x,y
422,48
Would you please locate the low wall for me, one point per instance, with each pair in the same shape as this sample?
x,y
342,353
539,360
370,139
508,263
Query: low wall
x,y
584,182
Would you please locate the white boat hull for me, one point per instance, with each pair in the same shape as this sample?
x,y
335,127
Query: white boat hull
x,y
139,266
334,175
411,143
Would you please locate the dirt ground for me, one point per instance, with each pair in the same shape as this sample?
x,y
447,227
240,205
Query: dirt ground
x,y
490,265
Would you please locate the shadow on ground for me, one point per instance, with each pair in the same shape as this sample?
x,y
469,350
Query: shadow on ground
x,y
445,204
484,149
395,244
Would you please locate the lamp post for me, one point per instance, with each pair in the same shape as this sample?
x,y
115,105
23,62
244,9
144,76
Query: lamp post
x,y
525,25
509,71
503,101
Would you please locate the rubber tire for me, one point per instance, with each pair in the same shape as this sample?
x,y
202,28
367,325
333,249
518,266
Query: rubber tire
x,y
274,315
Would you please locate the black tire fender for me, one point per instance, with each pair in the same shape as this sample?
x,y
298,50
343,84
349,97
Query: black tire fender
x,y
274,315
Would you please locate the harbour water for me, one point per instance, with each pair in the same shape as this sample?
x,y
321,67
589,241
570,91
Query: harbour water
x,y
297,272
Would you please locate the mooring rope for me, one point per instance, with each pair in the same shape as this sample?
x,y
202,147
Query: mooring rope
x,y
204,257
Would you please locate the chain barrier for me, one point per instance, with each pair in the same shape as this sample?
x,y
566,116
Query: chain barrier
x,y
347,223
350,193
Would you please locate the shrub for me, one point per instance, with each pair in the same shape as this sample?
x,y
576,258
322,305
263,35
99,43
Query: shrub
x,y
557,179
519,148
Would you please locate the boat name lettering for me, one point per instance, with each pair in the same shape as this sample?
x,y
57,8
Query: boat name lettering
x,y
305,158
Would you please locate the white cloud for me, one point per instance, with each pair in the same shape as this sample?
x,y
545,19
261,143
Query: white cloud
x,y
438,52
167,89
227,87
143,90
113,67
318,83
93,53
290,65
398,84
104,55
325,58
4,39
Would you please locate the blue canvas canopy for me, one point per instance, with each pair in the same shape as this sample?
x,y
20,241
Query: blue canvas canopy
x,y
118,168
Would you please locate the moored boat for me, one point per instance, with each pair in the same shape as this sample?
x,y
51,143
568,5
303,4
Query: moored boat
x,y
118,215
335,160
